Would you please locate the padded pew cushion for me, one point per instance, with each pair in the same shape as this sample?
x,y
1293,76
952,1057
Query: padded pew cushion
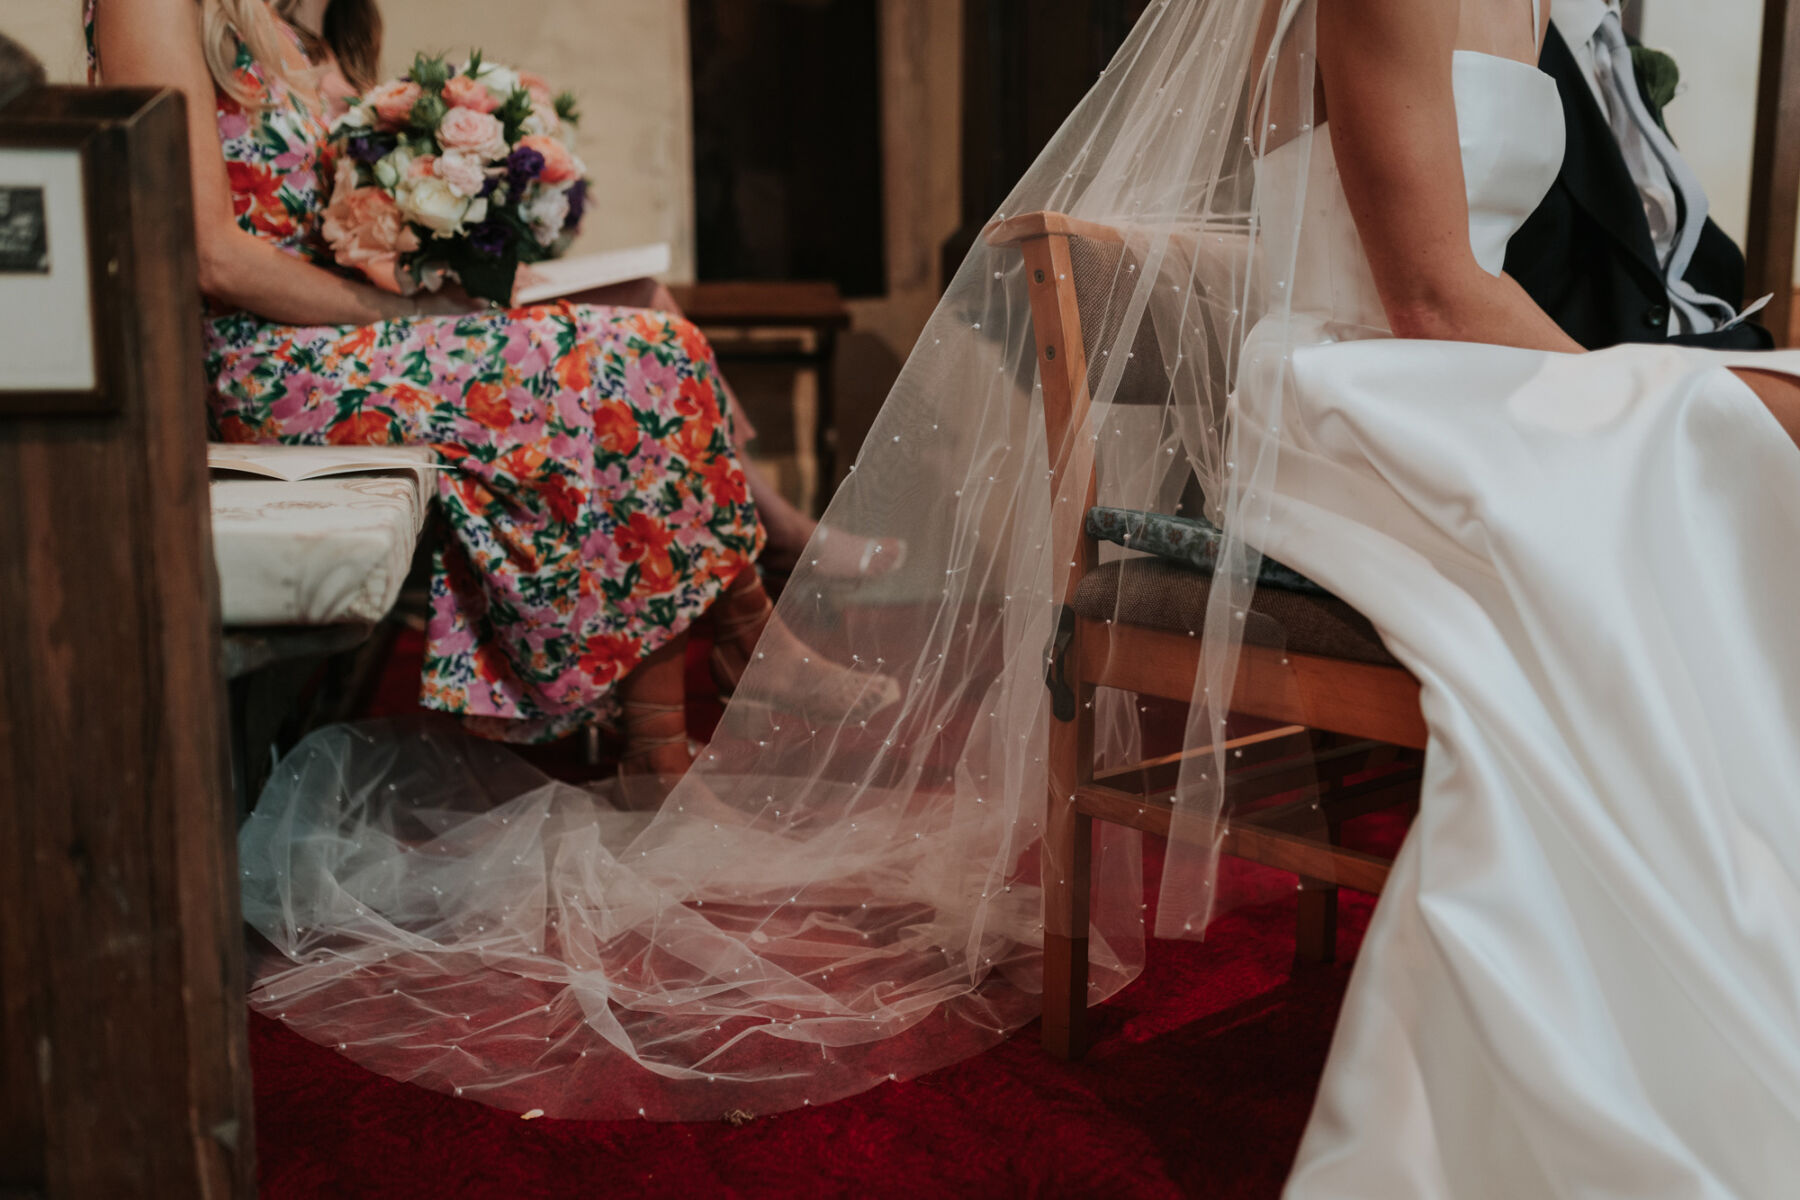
x,y
330,551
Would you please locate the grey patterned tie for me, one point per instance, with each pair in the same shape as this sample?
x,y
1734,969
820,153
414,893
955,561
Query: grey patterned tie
x,y
1699,311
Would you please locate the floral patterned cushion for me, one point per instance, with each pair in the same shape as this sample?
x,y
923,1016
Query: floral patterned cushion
x,y
1190,541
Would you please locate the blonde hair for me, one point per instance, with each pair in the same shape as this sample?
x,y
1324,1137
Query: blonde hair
x,y
228,25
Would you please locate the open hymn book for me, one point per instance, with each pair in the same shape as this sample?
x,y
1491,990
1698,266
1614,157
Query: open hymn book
x,y
296,463
555,277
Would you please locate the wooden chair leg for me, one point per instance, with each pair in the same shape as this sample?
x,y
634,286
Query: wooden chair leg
x,y
1315,924
1315,921
1066,859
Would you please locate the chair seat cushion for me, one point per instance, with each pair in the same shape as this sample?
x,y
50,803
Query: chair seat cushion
x,y
1155,594
1189,541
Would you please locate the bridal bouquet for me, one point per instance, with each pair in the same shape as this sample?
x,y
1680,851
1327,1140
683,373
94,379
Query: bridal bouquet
x,y
455,173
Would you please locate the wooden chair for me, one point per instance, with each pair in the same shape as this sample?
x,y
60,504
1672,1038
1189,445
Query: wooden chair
x,y
1339,703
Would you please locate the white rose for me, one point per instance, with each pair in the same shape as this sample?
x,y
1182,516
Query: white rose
x,y
543,121
463,172
431,202
358,117
391,171
546,212
502,82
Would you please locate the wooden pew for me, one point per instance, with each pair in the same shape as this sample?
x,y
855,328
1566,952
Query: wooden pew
x,y
158,632
123,1057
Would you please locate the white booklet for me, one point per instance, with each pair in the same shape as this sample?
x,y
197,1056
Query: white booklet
x,y
543,281
295,463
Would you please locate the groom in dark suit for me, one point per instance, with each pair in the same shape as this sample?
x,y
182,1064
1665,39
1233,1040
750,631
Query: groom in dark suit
x,y
1621,249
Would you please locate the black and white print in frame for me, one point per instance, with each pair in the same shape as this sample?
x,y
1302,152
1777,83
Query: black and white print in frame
x,y
24,232
57,235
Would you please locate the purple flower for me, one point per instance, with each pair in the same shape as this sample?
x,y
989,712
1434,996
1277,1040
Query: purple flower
x,y
490,237
370,150
578,194
522,166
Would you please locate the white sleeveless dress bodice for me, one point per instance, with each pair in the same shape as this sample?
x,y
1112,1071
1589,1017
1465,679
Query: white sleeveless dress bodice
x,y
1510,124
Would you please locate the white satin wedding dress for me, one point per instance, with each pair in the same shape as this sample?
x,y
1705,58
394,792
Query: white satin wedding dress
x,y
1583,978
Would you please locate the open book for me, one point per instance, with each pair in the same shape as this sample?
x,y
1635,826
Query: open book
x,y
294,463
566,276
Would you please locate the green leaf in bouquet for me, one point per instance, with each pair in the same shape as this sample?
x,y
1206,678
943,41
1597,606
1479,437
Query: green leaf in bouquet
x,y
488,276
525,242
428,112
512,114
566,111
473,67
430,72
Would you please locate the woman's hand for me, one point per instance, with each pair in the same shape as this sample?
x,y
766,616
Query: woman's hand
x,y
449,302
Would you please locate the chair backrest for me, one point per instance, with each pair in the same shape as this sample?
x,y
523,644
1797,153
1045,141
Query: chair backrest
x,y
1187,327
1096,268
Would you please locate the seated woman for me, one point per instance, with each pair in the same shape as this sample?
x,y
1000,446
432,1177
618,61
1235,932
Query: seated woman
x,y
343,38
581,548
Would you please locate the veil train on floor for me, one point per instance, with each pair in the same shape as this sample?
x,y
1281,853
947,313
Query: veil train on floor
x,y
826,903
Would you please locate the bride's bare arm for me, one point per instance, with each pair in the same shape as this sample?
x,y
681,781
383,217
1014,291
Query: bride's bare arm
x,y
157,43
1385,66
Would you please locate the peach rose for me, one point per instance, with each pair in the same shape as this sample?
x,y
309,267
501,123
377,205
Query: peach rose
x,y
538,86
463,92
422,166
393,103
462,173
367,231
471,132
559,165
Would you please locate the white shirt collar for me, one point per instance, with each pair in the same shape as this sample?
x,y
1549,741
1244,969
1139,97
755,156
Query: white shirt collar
x,y
1579,20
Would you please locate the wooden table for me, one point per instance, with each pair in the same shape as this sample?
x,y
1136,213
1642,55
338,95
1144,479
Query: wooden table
x,y
813,309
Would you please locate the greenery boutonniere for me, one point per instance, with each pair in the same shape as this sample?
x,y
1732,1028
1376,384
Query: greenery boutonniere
x,y
1657,77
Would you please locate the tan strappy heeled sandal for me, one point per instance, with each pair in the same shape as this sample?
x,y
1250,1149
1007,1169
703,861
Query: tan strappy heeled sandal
x,y
638,787
726,631
861,696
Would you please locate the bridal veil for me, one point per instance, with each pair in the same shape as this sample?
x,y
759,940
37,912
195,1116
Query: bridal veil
x,y
827,902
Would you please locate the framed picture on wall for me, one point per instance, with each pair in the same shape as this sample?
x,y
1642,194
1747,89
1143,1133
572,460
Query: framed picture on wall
x,y
55,253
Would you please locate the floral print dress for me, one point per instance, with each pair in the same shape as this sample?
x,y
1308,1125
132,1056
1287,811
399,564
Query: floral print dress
x,y
594,505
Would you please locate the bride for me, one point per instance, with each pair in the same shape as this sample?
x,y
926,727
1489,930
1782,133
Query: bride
x,y
1584,977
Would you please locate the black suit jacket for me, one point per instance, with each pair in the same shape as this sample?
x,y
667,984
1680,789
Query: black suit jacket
x,y
1586,256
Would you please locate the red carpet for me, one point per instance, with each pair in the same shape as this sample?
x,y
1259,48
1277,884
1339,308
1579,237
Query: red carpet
x,y
1199,1085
